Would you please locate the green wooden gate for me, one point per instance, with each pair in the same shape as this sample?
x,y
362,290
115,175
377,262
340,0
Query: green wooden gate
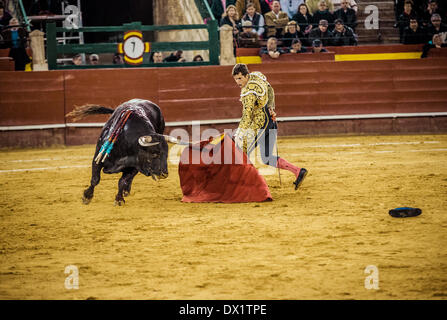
x,y
54,49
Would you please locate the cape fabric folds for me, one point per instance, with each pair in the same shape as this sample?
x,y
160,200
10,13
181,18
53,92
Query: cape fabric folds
x,y
220,173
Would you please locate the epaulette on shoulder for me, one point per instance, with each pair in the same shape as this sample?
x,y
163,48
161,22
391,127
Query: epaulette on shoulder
x,y
259,75
255,88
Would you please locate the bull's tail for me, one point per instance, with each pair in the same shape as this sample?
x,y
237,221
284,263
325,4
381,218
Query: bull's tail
x,y
87,110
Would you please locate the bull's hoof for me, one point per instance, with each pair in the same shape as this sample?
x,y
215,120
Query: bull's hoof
x,y
163,176
86,200
119,202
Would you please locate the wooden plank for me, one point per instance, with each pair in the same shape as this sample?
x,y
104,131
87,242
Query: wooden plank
x,y
30,98
109,87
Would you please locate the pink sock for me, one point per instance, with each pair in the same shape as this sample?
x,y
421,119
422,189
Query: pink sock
x,y
284,164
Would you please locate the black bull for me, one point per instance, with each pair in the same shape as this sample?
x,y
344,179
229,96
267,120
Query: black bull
x,y
140,145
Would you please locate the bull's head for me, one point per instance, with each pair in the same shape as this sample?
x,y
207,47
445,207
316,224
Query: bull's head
x,y
153,156
156,144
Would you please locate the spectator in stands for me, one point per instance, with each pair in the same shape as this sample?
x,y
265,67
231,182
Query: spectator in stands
x,y
321,33
431,9
241,6
255,18
436,26
197,58
323,13
5,17
77,60
231,18
16,38
313,5
276,21
414,34
404,18
346,14
218,7
297,47
175,57
156,57
292,32
398,8
266,6
317,46
272,49
118,58
351,4
290,6
93,59
248,38
343,35
304,19
435,43
419,6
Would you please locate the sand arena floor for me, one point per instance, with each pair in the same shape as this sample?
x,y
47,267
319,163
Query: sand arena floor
x,y
314,243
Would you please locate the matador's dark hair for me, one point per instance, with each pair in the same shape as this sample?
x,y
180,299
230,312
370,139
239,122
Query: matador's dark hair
x,y
240,68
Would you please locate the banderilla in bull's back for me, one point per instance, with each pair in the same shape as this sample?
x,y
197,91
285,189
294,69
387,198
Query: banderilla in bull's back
x,y
130,142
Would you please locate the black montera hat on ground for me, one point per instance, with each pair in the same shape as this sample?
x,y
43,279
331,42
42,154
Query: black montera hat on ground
x,y
405,212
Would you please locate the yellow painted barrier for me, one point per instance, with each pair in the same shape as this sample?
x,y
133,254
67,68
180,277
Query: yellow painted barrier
x,y
348,57
378,56
249,59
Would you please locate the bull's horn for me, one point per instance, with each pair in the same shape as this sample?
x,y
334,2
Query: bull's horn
x,y
145,141
175,140
171,139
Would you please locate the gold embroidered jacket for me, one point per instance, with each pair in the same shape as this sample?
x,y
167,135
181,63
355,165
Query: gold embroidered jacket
x,y
255,96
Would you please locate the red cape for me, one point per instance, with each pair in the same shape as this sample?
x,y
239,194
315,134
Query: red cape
x,y
220,173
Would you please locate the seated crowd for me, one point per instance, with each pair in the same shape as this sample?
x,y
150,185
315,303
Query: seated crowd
x,y
13,37
297,22
418,21
333,22
278,26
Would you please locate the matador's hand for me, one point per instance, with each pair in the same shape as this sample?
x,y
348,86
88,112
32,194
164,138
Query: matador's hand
x,y
273,114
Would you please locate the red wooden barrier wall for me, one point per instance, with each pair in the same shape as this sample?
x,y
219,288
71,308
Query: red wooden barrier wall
x,y
206,93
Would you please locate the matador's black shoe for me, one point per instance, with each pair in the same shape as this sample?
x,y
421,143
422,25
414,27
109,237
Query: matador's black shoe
x,y
300,178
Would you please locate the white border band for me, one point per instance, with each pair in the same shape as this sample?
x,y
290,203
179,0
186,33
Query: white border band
x,y
235,120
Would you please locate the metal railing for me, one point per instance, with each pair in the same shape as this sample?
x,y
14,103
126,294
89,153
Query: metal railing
x,y
23,15
204,9
54,49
